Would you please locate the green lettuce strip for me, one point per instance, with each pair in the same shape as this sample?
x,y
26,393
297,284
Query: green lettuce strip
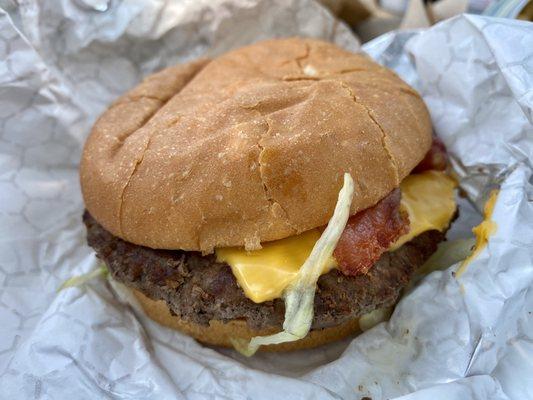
x,y
299,295
80,280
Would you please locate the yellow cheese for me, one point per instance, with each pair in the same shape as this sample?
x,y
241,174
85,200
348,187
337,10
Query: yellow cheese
x,y
429,200
482,232
263,274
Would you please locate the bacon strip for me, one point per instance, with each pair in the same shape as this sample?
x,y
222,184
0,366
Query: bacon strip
x,y
436,158
369,233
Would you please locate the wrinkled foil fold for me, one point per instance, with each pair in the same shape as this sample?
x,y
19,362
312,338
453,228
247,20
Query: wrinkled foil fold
x,y
62,62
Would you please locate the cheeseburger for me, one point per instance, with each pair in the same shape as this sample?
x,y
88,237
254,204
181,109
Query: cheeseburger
x,y
268,198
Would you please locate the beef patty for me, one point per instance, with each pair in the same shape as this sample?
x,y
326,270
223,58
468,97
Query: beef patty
x,y
198,289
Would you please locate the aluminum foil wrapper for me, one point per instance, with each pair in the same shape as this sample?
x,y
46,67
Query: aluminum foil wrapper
x,y
63,61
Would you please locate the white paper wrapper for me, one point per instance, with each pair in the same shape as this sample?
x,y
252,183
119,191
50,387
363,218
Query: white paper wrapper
x,y
63,61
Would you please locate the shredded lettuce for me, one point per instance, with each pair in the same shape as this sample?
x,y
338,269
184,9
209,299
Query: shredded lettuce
x,y
448,253
299,295
375,317
80,280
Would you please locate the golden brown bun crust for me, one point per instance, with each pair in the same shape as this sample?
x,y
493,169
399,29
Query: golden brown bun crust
x,y
218,333
251,146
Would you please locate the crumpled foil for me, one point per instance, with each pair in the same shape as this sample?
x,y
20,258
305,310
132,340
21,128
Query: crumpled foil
x,y
63,61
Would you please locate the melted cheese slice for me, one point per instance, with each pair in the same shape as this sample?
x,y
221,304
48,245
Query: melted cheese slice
x,y
263,274
429,200
482,232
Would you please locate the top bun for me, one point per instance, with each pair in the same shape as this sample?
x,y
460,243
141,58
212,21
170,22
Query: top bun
x,y
251,146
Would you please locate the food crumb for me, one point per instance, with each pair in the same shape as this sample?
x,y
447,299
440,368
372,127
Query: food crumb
x,y
462,289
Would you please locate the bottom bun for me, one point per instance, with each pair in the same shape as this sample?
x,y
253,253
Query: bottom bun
x,y
218,333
